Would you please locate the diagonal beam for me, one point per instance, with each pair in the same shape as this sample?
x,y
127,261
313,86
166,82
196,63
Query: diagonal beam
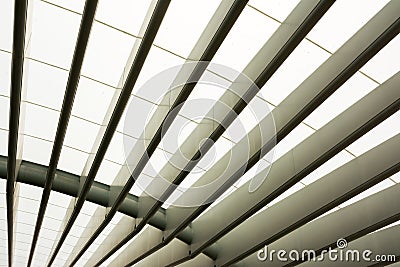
x,y
305,205
388,27
310,202
332,74
284,184
383,243
353,223
161,111
93,223
261,68
293,164
143,50
357,220
180,79
198,70
170,251
20,20
69,96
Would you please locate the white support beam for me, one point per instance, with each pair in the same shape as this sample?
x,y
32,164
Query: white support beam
x,y
289,109
300,161
203,130
315,199
351,222
145,240
384,243
162,109
307,156
310,202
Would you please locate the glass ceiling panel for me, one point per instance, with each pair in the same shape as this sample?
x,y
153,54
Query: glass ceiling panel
x,y
87,212
26,214
3,224
141,183
86,256
140,104
172,198
54,34
76,231
127,15
40,121
204,96
36,150
56,211
30,191
71,241
84,217
78,138
185,19
218,150
4,114
386,63
245,39
249,118
6,24
105,60
100,239
3,183
5,72
60,262
45,85
156,62
23,237
278,10
53,220
157,161
303,61
84,105
343,20
72,160
173,137
186,129
75,5
107,172
118,252
116,150
24,217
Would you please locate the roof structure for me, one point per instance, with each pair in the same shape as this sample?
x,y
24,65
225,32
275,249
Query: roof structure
x,y
195,133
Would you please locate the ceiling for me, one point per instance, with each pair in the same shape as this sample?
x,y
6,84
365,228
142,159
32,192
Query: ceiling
x,y
85,137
